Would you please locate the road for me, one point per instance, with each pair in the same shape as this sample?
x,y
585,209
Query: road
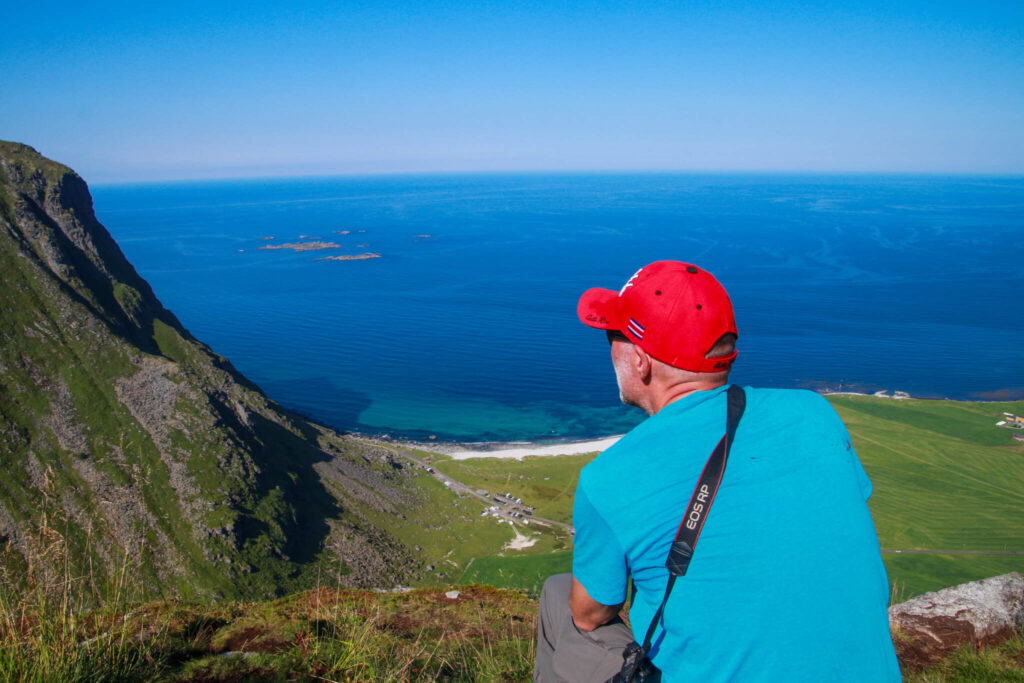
x,y
954,552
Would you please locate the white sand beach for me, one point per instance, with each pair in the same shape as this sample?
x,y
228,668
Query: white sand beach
x,y
518,452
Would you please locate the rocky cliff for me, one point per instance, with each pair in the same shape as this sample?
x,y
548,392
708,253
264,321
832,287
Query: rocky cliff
x,y
125,443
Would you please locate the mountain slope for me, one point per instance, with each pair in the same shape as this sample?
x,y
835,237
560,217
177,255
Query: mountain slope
x,y
125,442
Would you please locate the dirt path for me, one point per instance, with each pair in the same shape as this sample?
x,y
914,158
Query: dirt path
x,y
520,542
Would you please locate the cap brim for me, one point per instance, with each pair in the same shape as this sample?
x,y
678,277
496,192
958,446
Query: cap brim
x,y
599,308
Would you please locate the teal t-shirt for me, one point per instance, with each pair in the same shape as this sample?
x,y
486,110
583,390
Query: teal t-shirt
x,y
786,582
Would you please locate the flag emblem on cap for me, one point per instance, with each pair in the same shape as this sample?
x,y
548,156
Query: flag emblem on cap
x,y
636,328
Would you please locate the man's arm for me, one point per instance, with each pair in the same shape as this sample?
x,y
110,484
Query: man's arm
x,y
588,613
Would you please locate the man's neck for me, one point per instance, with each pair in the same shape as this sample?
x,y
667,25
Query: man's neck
x,y
675,392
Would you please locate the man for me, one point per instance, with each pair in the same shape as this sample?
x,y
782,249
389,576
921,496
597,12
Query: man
x,y
786,582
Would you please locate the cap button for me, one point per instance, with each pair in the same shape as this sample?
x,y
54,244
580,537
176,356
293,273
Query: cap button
x,y
691,269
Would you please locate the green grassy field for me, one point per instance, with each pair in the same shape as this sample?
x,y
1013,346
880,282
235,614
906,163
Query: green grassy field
x,y
451,536
945,479
547,483
520,572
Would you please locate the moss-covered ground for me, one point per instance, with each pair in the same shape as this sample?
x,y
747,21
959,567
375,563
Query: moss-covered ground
x,y
472,633
476,634
1002,663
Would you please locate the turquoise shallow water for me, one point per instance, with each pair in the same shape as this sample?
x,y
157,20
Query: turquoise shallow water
x,y
465,327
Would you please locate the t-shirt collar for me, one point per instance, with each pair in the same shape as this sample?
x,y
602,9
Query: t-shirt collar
x,y
692,400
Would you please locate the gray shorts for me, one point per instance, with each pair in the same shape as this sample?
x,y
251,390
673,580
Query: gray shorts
x,y
564,652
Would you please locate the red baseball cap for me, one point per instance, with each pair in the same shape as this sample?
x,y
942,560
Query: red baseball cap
x,y
672,310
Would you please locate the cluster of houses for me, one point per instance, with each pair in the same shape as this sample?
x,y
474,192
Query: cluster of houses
x,y
509,509
1013,422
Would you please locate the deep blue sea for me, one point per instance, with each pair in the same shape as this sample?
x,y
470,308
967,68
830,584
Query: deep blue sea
x,y
465,328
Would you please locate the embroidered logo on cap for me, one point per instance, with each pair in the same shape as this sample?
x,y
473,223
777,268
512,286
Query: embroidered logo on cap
x,y
629,282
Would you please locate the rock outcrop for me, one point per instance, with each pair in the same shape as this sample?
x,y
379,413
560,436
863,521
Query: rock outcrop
x,y
982,612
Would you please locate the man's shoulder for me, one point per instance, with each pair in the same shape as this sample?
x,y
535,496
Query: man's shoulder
x,y
675,430
791,405
693,430
787,396
616,461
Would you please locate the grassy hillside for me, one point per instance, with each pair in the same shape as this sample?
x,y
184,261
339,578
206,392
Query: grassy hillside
x,y
125,439
474,633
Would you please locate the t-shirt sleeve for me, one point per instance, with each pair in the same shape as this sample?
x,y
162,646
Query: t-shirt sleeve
x,y
598,561
866,487
840,435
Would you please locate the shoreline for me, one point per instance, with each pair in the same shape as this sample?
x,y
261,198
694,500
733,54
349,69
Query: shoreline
x,y
517,450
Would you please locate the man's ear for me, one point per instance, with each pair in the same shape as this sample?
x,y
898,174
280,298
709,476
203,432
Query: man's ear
x,y
642,364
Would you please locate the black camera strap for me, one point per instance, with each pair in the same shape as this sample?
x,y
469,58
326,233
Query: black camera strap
x,y
700,503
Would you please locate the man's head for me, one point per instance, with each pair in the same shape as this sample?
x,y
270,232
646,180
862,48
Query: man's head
x,y
671,329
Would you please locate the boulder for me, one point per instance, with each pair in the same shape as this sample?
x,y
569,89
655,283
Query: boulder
x,y
983,612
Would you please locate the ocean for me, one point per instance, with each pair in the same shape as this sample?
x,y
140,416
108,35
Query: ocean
x,y
465,329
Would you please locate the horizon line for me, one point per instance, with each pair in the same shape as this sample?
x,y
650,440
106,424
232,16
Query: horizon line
x,y
567,172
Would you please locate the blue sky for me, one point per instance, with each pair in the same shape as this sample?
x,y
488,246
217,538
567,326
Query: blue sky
x,y
125,92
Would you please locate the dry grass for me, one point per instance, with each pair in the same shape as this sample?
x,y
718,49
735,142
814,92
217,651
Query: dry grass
x,y
484,634
56,627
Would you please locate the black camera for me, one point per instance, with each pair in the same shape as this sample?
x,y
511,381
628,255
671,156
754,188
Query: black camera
x,y
636,668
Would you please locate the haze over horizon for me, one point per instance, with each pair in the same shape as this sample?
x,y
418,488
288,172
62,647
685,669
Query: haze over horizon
x,y
134,93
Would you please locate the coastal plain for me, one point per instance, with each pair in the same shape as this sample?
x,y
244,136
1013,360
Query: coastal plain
x,y
947,500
